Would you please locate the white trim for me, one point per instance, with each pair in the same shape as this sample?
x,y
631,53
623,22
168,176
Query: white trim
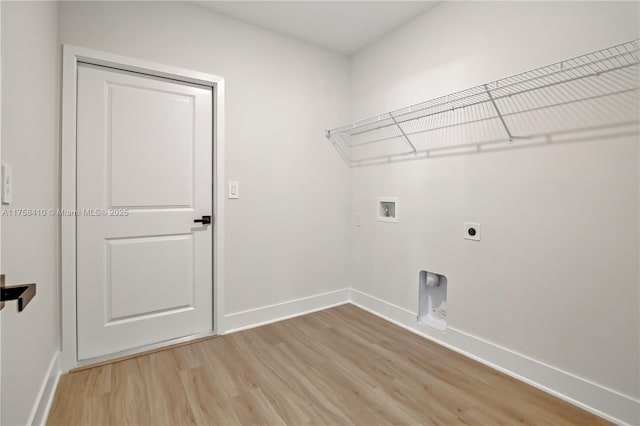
x,y
590,396
143,349
0,221
47,392
280,311
71,56
218,207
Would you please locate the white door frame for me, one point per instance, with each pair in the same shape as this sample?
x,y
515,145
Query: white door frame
x,y
0,229
72,55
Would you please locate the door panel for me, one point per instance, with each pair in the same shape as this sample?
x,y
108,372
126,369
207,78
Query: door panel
x,y
139,267
145,147
166,180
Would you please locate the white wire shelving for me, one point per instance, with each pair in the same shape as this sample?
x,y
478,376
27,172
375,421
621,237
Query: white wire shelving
x,y
595,91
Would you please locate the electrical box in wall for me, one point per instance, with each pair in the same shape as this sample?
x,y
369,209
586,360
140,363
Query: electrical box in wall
x,y
387,209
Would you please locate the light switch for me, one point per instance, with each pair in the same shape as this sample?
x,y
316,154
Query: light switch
x,y
7,184
234,189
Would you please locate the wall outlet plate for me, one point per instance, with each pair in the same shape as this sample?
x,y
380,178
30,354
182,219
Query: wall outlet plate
x,y
472,231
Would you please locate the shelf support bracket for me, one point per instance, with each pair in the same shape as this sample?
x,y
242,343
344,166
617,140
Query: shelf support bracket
x,y
404,135
329,136
495,106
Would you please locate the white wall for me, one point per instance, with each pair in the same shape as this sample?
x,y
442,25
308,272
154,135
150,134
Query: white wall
x,y
287,236
565,293
555,277
30,123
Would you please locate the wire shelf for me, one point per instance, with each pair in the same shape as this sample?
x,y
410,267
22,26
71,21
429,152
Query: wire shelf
x,y
593,91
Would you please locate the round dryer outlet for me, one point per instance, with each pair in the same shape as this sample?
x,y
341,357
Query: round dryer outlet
x,y
472,231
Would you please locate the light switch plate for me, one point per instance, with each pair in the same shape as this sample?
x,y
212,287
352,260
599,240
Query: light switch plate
x,y
7,184
234,189
357,219
472,231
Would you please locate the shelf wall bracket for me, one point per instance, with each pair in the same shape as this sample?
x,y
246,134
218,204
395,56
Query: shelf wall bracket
x,y
404,135
495,106
329,135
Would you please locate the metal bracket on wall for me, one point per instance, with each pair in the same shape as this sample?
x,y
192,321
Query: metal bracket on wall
x,y
404,135
504,123
23,293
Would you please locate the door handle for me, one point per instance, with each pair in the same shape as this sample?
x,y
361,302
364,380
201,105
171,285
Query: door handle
x,y
23,293
205,220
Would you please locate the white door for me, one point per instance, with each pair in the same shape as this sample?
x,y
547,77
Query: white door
x,y
144,174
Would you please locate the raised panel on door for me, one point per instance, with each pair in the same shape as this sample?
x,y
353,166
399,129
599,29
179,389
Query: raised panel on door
x,y
144,170
161,266
155,127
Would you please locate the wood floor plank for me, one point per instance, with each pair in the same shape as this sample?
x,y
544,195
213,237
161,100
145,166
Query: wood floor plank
x,y
128,402
207,397
341,366
253,408
164,392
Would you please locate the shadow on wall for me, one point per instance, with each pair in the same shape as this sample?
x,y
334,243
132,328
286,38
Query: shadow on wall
x,y
590,97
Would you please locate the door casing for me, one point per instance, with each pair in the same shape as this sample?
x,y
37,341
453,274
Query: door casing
x,y
0,224
72,55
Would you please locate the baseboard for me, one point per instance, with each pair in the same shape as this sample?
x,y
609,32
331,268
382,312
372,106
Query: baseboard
x,y
281,311
41,408
597,399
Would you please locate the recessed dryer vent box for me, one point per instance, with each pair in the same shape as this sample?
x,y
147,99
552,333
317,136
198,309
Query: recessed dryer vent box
x,y
387,209
432,300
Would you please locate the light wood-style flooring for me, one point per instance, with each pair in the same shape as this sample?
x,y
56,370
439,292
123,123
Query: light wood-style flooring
x,y
334,367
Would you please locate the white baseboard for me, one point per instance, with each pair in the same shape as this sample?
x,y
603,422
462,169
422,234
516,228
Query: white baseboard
x,y
581,392
41,408
280,311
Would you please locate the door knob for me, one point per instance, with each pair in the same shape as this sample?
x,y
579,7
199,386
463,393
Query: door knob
x,y
23,293
205,220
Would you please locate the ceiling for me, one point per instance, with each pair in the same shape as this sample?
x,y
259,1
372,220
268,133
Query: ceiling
x,y
342,26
